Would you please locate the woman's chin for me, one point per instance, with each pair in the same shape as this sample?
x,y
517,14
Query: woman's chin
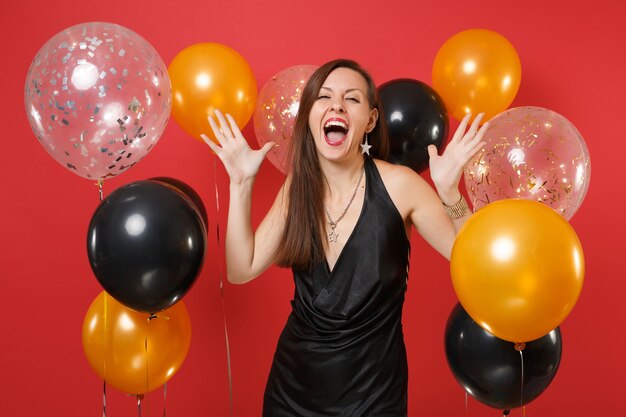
x,y
335,153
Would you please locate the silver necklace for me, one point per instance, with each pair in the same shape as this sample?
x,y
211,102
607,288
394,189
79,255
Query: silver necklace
x,y
332,236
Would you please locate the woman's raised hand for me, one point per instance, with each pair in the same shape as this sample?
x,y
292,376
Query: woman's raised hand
x,y
241,162
446,170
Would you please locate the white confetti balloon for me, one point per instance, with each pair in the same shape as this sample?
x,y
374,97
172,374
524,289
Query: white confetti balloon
x,y
98,98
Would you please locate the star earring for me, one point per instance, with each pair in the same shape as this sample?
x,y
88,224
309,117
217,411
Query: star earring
x,y
365,147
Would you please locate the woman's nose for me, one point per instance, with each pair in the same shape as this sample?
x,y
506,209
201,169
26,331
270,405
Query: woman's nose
x,y
337,106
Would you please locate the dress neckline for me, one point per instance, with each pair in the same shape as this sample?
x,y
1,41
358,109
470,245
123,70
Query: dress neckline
x,y
330,270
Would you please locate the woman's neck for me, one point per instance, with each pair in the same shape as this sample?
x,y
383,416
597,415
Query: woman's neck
x,y
340,177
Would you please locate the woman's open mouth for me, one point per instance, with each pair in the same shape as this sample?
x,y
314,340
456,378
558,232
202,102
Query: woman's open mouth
x,y
335,131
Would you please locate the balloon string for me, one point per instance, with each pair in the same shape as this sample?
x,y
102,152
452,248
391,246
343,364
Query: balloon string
x,y
466,405
152,316
520,346
164,398
139,401
99,184
106,340
219,247
106,351
104,399
521,400
146,353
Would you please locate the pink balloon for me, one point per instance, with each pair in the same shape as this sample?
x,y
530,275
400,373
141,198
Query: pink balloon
x,y
98,98
531,153
277,106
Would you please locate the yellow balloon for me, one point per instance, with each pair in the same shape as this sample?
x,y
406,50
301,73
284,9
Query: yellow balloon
x,y
209,76
476,71
517,267
130,352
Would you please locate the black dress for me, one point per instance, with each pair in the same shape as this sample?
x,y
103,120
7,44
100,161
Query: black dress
x,y
342,352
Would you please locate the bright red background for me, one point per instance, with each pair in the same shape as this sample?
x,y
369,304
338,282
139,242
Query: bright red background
x,y
573,62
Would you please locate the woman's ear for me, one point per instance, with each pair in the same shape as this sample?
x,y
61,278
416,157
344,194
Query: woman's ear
x,y
371,124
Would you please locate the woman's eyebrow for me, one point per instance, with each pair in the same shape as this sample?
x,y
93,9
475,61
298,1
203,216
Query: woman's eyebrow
x,y
349,90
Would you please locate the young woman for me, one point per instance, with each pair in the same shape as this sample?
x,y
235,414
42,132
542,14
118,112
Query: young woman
x,y
341,221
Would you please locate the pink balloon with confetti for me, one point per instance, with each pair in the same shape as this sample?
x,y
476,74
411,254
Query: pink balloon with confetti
x,y
276,110
531,153
98,98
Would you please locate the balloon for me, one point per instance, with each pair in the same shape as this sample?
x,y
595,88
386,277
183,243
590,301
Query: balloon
x,y
276,110
490,369
146,244
476,71
189,192
531,153
98,98
209,76
416,117
131,352
517,267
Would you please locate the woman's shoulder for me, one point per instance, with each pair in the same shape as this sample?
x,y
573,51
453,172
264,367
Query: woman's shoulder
x,y
405,187
395,174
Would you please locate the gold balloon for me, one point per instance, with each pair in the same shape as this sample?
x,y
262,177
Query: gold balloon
x,y
130,352
476,71
518,268
209,76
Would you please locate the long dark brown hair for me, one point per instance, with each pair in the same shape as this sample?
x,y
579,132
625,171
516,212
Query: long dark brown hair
x,y
302,243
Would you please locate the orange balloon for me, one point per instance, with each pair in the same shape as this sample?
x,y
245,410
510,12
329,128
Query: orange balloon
x,y
209,76
518,268
114,342
477,71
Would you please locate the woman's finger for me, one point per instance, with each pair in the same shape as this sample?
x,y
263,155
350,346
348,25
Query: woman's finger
x,y
474,150
211,144
477,143
460,131
224,125
217,131
483,129
478,137
267,147
234,127
432,152
475,125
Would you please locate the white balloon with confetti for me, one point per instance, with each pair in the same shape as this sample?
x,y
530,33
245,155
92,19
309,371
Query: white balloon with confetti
x,y
531,153
276,111
98,98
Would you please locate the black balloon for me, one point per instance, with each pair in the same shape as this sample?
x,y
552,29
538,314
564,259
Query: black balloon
x,y
416,117
146,244
189,192
490,368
